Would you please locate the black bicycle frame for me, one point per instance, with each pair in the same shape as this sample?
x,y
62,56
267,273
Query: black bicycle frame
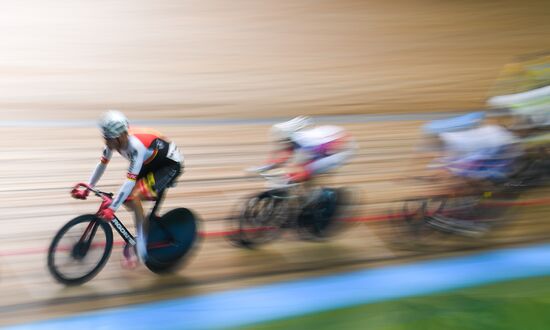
x,y
123,232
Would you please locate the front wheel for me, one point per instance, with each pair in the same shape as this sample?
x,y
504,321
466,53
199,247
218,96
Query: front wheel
x,y
260,219
80,249
410,225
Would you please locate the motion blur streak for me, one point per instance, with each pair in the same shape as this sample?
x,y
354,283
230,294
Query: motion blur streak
x,y
419,87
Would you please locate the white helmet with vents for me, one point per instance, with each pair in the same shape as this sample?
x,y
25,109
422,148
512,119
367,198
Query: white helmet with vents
x,y
113,124
284,130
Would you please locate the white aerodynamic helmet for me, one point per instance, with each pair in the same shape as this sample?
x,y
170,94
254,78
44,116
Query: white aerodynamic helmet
x,y
112,124
284,130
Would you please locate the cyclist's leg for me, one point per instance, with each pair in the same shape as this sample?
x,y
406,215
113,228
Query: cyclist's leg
x,y
335,154
160,180
152,185
313,182
145,189
327,163
134,204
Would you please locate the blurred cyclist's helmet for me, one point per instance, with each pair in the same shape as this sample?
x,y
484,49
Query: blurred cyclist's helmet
x,y
113,124
454,124
284,130
530,109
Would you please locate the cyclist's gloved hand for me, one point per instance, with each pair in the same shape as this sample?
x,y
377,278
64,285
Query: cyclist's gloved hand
x,y
80,194
106,214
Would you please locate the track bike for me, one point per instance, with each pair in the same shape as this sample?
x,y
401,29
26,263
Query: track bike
x,y
81,248
263,216
472,215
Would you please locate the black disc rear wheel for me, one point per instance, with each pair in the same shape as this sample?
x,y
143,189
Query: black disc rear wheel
x,y
318,218
170,240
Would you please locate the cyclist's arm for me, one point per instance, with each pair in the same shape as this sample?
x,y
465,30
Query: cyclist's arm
x,y
279,157
136,162
100,167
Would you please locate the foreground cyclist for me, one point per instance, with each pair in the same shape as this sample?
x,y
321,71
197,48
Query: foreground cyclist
x,y
312,150
155,163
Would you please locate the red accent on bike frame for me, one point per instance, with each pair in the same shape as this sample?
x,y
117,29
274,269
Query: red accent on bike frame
x,y
105,204
86,232
106,201
158,245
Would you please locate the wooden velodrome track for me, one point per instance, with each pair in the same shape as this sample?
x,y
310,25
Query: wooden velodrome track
x,y
211,59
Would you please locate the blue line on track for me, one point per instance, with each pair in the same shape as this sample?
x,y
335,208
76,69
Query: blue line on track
x,y
335,119
294,298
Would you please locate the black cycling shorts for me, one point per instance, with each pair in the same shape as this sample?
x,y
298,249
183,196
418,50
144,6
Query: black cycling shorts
x,y
153,183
